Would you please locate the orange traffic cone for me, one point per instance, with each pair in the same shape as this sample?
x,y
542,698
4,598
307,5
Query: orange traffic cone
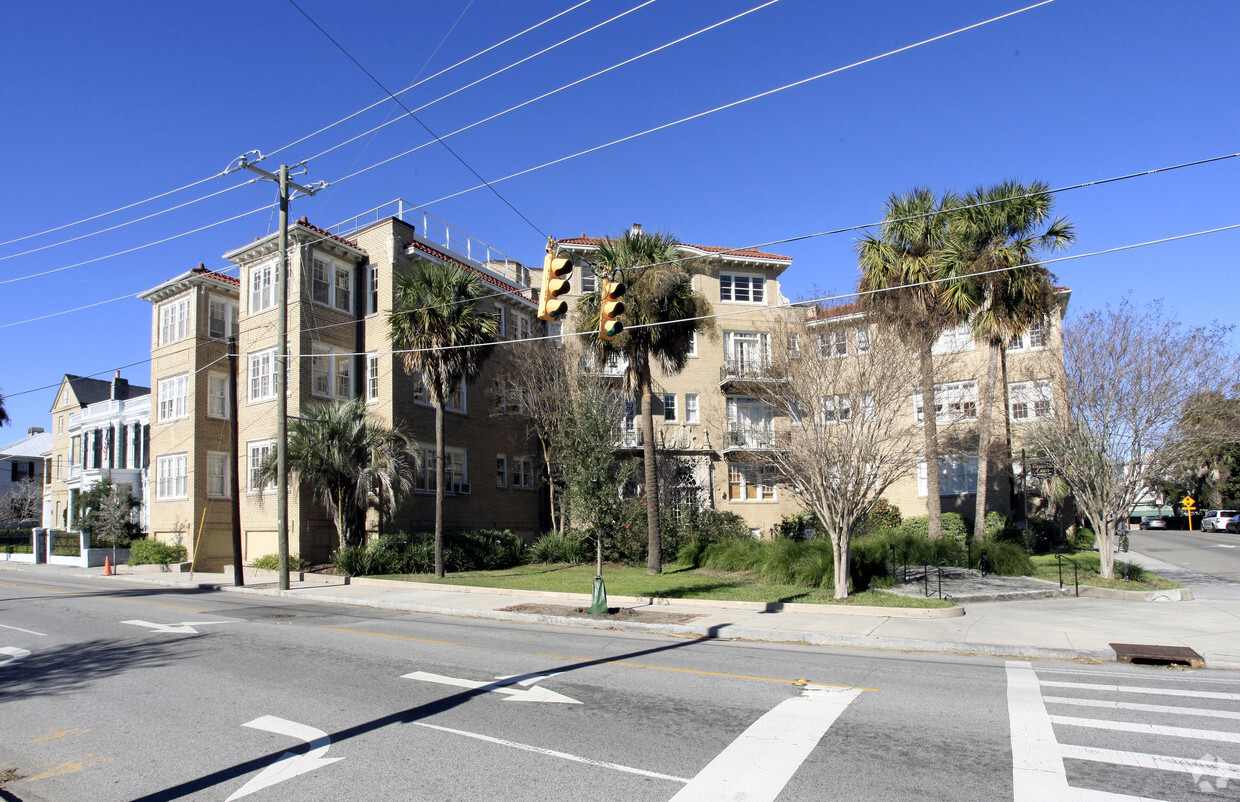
x,y
107,566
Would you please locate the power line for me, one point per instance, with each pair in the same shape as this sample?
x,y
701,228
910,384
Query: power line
x,y
415,118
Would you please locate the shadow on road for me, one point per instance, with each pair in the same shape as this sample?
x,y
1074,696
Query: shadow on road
x,y
74,667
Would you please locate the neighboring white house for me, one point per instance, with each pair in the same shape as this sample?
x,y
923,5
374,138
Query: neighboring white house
x,y
23,459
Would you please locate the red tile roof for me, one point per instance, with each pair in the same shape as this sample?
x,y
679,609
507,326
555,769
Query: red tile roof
x,y
202,271
747,252
484,276
305,223
837,311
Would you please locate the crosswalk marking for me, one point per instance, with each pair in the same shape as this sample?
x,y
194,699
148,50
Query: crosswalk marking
x,y
1230,697
1112,705
1148,729
1139,760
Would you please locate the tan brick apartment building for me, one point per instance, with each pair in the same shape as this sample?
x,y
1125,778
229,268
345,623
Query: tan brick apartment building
x,y
340,293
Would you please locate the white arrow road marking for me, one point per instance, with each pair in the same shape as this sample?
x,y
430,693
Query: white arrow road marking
x,y
526,680
502,685
289,764
27,631
15,653
758,764
186,627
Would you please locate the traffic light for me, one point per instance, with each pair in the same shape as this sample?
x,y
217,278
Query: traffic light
x,y
610,307
557,270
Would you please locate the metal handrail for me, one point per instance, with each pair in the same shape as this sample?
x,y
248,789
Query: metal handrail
x,y
894,548
1075,574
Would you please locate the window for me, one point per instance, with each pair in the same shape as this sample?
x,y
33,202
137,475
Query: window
x,y
174,397
171,470
217,395
863,339
836,409
746,353
751,483
794,346
174,321
692,345
1029,400
1034,337
217,474
501,318
952,402
455,470
60,424
222,318
524,478
833,343
331,283
258,451
669,407
523,327
372,296
589,281
263,375
372,377
750,423
455,400
959,338
331,373
957,475
741,288
263,286
691,408
501,470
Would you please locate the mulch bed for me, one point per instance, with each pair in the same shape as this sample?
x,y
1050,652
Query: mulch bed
x,y
612,614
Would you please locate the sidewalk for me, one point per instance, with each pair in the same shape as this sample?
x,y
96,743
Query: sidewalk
x,y
1064,628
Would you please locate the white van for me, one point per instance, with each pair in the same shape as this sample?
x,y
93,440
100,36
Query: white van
x,y
1216,520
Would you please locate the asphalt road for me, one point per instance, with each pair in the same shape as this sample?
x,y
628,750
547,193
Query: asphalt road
x,y
1215,554
125,692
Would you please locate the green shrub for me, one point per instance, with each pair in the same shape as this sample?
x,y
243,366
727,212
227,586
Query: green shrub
x,y
402,553
793,527
271,562
998,527
1007,559
1084,539
554,547
955,527
883,515
154,552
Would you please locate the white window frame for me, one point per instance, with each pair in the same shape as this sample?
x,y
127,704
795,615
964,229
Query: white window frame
x,y
693,412
455,469
1030,400
693,344
372,290
957,475
953,401
793,344
758,478
832,343
863,339
217,396
262,285
372,378
669,404
228,319
328,367
172,472
174,397
1038,335
255,452
524,476
835,409
217,475
501,470
953,340
174,320
742,288
261,375
589,280
331,283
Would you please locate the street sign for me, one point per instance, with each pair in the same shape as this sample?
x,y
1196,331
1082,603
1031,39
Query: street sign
x,y
1188,503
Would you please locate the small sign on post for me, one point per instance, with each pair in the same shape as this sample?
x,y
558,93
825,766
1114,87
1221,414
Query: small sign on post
x,y
1189,505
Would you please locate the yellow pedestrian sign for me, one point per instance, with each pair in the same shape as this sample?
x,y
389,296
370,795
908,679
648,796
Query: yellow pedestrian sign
x,y
1189,506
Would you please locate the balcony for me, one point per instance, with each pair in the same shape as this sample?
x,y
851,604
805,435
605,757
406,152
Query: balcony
x,y
613,366
755,438
629,438
743,371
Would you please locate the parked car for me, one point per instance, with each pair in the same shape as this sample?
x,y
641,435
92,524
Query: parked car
x,y
1151,522
1216,520
1234,524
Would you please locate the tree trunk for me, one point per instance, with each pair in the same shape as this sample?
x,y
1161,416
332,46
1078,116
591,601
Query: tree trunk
x,y
439,489
841,547
934,504
984,417
654,547
1105,532
1008,473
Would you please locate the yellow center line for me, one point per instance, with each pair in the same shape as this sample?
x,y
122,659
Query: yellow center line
x,y
798,682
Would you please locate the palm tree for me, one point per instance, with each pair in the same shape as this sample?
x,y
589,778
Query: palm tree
x,y
445,335
4,416
909,287
1004,228
340,453
662,316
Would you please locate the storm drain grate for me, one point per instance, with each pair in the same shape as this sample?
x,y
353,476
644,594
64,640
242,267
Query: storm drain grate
x,y
1146,654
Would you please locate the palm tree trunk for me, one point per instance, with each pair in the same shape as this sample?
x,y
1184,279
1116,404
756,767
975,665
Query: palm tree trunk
x,y
1008,473
439,489
654,546
984,418
934,504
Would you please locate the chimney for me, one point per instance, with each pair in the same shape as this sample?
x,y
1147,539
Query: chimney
x,y
33,430
637,229
120,387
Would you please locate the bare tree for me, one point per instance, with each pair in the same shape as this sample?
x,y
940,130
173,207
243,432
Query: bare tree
x,y
24,503
1129,376
852,435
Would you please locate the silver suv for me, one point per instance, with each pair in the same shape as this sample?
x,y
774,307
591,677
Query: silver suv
x,y
1216,520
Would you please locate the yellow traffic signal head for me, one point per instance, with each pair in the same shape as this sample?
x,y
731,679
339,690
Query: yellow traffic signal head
x,y
557,270
610,307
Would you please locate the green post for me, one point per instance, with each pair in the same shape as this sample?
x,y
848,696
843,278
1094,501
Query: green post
x,y
598,597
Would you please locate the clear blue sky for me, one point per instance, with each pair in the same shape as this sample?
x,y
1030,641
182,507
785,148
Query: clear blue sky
x,y
109,103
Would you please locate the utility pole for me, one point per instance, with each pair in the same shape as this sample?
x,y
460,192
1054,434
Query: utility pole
x,y
281,361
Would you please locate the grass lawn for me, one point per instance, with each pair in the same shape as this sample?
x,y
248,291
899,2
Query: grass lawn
x,y
676,582
1046,567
